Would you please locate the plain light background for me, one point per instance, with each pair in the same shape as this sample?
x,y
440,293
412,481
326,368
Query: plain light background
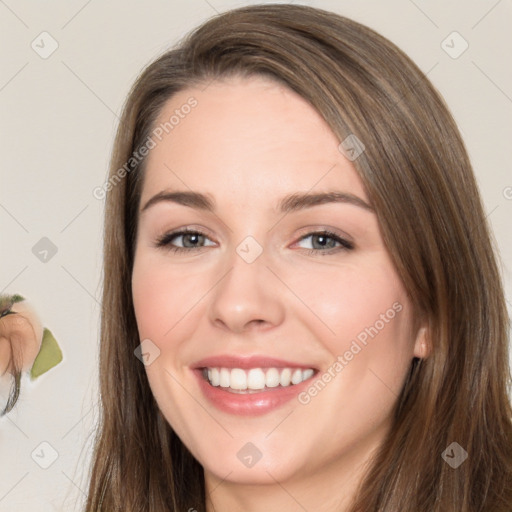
x,y
58,118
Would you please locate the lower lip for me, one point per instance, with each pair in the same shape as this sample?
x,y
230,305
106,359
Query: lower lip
x,y
250,404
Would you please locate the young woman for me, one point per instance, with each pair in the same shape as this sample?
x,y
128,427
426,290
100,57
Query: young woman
x,y
302,308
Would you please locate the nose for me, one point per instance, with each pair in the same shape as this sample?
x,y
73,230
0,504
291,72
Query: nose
x,y
247,297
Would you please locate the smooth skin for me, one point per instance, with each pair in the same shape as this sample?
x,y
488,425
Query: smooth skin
x,y
247,144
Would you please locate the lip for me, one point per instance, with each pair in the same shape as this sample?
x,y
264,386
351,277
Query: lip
x,y
250,404
247,362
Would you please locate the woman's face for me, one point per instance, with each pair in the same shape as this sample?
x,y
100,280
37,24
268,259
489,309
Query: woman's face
x,y
283,274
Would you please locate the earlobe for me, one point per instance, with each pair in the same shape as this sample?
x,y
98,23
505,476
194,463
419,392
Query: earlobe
x,y
422,345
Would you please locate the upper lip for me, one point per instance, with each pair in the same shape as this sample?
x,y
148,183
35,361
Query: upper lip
x,y
247,362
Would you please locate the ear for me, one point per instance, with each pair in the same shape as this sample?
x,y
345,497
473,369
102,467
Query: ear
x,y
422,344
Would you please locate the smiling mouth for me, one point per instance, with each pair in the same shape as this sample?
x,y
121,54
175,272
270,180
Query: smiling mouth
x,y
255,380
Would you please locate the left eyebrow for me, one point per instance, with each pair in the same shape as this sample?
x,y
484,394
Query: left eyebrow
x,y
296,202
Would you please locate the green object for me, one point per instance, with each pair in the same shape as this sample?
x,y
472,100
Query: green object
x,y
7,302
49,355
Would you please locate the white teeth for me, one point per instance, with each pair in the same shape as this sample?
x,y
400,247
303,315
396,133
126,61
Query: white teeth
x,y
272,378
224,378
306,374
256,378
238,379
286,377
214,376
297,377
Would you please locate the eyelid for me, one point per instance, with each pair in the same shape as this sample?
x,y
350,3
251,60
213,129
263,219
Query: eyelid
x,y
318,229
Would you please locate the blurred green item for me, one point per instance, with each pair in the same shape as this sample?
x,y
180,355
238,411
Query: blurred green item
x,y
49,355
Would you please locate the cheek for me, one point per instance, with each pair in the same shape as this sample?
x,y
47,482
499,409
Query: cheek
x,y
363,318
160,297
363,315
348,300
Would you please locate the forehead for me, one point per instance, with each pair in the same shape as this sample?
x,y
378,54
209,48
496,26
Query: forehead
x,y
251,138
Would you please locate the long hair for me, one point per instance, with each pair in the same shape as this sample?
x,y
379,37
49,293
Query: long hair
x,y
418,176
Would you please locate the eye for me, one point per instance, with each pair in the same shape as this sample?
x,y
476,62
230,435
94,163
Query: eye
x,y
187,240
324,241
184,240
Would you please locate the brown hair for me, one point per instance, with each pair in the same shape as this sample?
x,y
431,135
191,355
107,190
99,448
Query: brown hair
x,y
419,179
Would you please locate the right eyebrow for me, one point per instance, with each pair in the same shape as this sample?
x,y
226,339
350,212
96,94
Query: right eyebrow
x,y
192,199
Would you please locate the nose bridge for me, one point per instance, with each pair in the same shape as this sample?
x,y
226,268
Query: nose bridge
x,y
246,279
245,295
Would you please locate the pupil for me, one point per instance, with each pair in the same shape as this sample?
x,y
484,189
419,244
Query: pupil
x,y
191,239
322,241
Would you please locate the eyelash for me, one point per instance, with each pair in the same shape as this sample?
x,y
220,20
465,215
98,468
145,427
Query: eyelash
x,y
165,241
